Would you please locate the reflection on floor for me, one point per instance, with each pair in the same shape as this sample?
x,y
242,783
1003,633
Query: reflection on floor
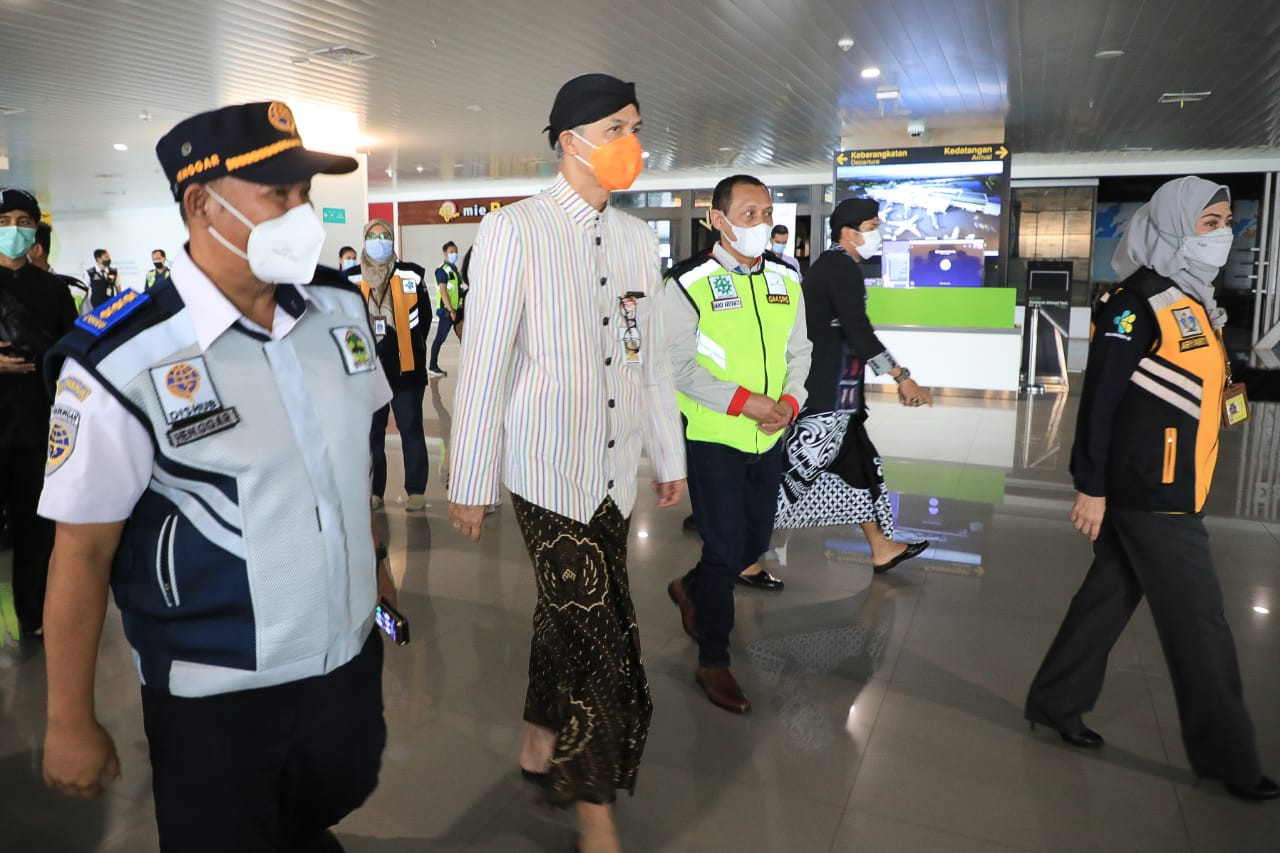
x,y
887,710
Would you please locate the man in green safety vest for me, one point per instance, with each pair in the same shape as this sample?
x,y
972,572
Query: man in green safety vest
x,y
447,283
740,353
160,274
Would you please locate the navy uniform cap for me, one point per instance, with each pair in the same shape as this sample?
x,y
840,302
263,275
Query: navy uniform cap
x,y
254,142
12,198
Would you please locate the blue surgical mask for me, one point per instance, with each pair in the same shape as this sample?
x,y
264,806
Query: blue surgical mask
x,y
779,248
452,257
378,249
16,241
348,263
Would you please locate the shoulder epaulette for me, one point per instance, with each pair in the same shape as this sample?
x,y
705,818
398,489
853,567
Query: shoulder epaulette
x,y
330,277
112,313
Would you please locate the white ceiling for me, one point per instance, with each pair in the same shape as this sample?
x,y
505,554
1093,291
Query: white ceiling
x,y
762,78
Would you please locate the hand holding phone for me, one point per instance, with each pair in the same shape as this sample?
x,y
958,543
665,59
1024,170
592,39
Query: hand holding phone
x,y
391,623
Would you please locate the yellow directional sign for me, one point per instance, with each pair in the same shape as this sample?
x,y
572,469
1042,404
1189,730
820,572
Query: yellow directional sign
x,y
925,154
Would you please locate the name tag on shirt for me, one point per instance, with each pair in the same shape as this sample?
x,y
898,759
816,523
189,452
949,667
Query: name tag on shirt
x,y
191,405
776,289
380,328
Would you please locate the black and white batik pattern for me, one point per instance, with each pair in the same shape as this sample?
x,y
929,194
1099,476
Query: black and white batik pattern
x,y
812,495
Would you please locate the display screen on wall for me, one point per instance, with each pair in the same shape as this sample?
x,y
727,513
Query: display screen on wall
x,y
951,193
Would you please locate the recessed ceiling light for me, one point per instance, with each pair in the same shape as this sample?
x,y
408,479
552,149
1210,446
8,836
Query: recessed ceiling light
x,y
475,108
725,148
342,53
1183,97
644,155
1108,54
419,169
1258,608
120,146
144,115
1136,149
300,60
870,73
845,44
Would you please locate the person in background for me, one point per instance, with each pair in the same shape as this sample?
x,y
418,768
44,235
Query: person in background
x,y
103,280
464,287
1145,451
563,380
833,474
778,239
740,355
347,258
35,310
227,508
448,284
39,256
396,294
160,272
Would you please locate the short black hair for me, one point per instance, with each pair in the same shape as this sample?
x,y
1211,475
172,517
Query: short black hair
x,y
98,253
778,229
160,252
722,195
346,249
446,246
44,236
465,271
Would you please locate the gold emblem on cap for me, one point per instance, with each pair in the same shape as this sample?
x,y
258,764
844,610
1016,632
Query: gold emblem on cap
x,y
186,149
281,118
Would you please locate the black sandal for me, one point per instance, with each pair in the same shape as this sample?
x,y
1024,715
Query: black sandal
x,y
915,549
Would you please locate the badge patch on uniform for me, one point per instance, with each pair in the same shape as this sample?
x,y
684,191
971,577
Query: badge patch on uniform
x,y
74,387
408,285
357,355
98,322
64,423
191,405
724,293
776,289
1188,324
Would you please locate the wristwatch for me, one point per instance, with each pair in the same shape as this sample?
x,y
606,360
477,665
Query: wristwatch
x,y
903,375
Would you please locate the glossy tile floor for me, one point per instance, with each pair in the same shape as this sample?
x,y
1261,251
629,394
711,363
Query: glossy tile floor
x,y
887,711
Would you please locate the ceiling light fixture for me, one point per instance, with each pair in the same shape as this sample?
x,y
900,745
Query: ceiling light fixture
x,y
870,73
419,168
1136,149
9,111
845,44
475,108
1108,54
1181,98
1258,608
342,53
144,115
887,93
725,148
390,172
644,155
120,146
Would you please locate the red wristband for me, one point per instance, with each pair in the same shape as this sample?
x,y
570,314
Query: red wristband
x,y
738,402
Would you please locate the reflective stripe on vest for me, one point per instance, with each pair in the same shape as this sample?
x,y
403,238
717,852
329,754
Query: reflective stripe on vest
x,y
451,286
405,307
1187,370
744,324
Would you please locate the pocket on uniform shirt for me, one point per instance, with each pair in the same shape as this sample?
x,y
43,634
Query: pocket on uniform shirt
x,y
1170,454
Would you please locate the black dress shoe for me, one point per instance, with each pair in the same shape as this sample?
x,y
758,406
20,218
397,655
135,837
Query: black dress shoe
x,y
690,524
761,580
1264,789
915,549
1074,732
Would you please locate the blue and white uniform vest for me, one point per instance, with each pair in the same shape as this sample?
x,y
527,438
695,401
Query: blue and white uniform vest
x,y
248,561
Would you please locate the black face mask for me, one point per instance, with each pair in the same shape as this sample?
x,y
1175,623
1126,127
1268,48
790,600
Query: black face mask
x,y
159,264
106,263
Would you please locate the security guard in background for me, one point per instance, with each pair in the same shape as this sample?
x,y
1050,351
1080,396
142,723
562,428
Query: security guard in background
x,y
396,292
104,281
448,283
160,273
1145,450
740,352
206,459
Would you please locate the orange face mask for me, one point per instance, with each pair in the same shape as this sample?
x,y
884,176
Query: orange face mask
x,y
617,163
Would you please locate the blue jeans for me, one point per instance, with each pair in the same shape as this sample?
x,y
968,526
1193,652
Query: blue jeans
x,y
734,496
444,323
407,405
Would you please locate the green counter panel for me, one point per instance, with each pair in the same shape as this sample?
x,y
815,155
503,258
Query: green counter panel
x,y
961,307
941,480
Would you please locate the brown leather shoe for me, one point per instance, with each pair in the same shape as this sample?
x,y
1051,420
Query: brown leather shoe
x,y
675,590
722,688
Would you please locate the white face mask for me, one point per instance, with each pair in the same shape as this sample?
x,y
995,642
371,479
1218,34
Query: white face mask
x,y
284,250
1211,249
750,242
870,244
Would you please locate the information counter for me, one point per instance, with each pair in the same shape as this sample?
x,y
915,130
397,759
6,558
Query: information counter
x,y
964,339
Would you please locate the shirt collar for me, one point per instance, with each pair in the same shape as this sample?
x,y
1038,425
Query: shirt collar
x,y
210,311
730,263
578,209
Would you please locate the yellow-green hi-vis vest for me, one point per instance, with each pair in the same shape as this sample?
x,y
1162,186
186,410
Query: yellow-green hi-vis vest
x,y
744,324
451,287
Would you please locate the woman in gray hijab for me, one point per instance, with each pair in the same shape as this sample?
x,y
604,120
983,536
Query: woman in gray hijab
x,y
1145,449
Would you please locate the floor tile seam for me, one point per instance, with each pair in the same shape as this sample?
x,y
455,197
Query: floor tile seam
x,y
997,842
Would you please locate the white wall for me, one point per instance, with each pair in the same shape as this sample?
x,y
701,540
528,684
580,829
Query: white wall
x,y
129,235
349,193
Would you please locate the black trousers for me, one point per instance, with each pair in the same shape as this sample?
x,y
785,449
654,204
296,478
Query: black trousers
x,y
268,770
734,497
407,406
21,479
1165,557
